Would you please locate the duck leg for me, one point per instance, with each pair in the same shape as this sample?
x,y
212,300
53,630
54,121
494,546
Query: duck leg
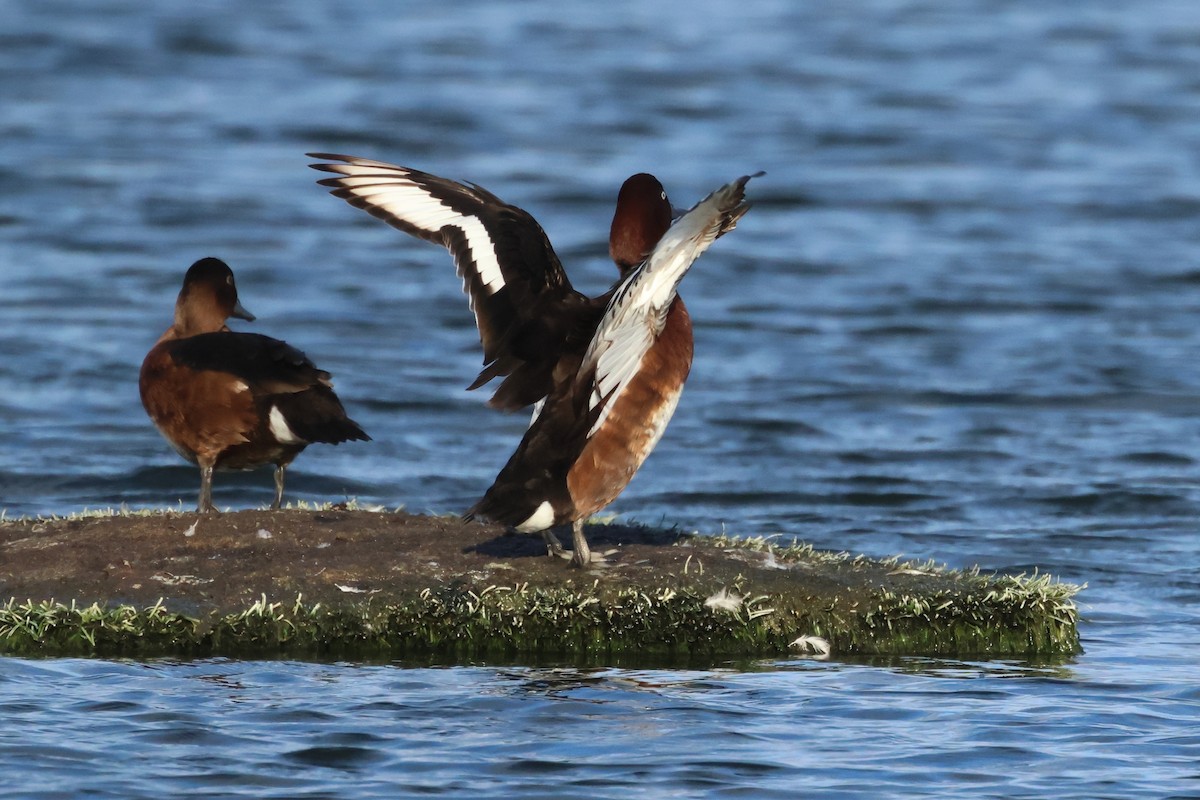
x,y
205,506
582,554
279,468
553,545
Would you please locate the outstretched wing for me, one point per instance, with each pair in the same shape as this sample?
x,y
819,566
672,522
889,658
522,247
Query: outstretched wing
x,y
506,263
639,306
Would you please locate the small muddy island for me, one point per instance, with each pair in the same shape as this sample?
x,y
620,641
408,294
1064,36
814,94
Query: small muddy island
x,y
343,582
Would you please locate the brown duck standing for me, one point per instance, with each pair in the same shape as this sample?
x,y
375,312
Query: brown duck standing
x,y
227,400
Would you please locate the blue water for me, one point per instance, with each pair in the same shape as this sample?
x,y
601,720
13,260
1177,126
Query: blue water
x,y
962,322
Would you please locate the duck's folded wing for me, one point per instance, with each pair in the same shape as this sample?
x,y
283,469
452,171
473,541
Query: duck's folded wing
x,y
265,365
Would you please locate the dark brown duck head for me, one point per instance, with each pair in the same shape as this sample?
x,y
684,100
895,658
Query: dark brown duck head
x,y
642,216
207,299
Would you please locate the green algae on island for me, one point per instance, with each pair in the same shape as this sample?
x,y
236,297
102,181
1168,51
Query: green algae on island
x,y
342,582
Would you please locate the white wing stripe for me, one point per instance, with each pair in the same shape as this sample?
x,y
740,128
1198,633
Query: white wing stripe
x,y
409,202
483,251
622,355
355,180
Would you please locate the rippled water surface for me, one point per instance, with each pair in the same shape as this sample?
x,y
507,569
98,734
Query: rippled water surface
x,y
961,323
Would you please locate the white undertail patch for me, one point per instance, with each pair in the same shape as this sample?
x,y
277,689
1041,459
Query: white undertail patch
x,y
541,519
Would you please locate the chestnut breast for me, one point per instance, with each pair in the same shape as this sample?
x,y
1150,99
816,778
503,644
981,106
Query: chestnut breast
x,y
200,412
637,419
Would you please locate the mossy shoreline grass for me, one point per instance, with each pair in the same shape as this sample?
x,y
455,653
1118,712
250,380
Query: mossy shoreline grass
x,y
672,597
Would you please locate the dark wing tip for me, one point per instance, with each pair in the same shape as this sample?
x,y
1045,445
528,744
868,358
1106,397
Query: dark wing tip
x,y
325,168
344,159
739,204
333,183
742,181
